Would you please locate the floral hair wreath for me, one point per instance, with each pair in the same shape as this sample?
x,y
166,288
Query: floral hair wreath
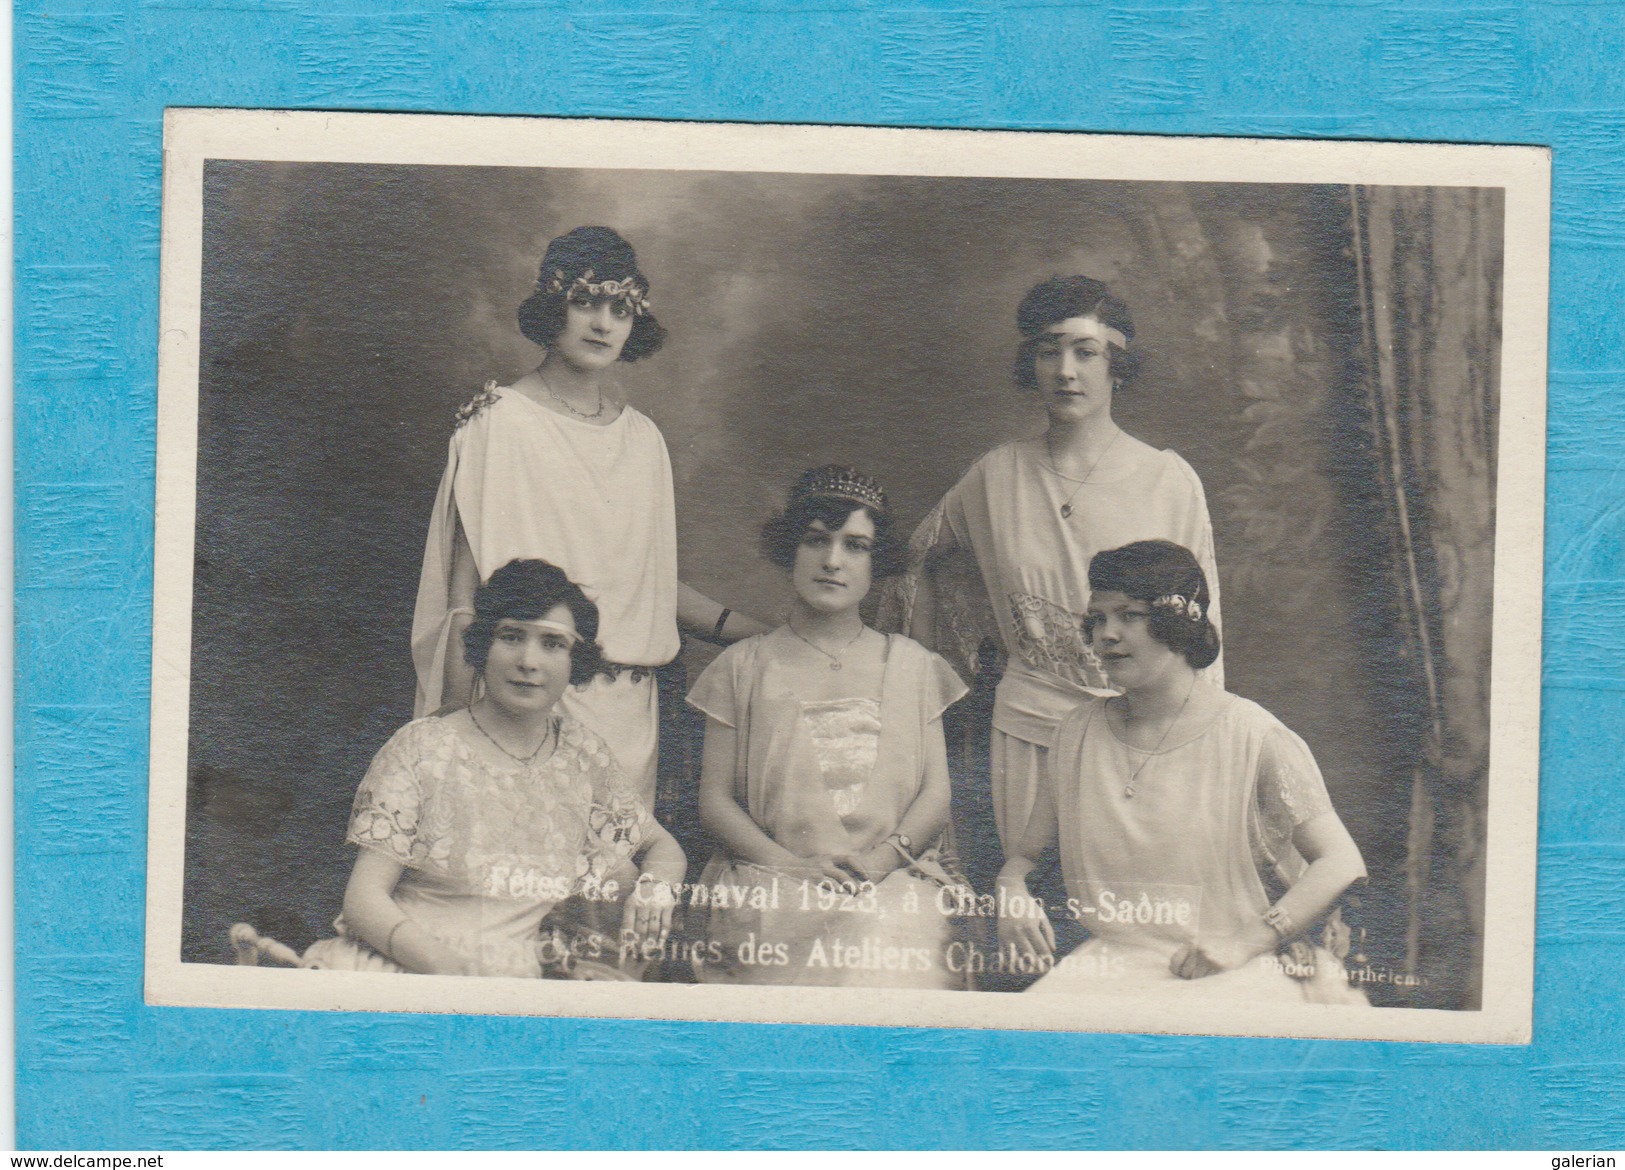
x,y
630,289
1190,607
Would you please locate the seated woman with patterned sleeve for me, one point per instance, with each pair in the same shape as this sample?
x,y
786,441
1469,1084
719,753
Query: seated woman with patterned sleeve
x,y
473,825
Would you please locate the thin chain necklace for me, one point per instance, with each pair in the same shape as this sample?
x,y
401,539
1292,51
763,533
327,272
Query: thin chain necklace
x,y
550,735
1128,789
834,659
565,402
1066,508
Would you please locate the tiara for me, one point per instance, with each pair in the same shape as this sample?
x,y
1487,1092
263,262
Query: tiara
x,y
845,483
629,289
1190,607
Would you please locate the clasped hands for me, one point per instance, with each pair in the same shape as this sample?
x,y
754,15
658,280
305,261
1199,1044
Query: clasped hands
x,y
850,871
1203,957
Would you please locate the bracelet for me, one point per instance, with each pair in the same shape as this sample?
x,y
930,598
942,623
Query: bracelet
x,y
1280,922
389,940
722,620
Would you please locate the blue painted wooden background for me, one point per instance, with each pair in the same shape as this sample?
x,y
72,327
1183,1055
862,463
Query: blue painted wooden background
x,y
99,1069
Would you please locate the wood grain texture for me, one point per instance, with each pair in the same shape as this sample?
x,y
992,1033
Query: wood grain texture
x,y
71,535
1159,58
1451,58
1584,886
218,1112
99,1069
76,306
1583,1100
1585,432
372,59
72,66
75,1011
77,774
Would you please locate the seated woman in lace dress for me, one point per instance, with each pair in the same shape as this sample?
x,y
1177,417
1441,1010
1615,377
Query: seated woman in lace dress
x,y
472,825
825,776
1178,807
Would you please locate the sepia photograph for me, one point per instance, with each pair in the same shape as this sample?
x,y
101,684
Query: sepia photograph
x,y
843,575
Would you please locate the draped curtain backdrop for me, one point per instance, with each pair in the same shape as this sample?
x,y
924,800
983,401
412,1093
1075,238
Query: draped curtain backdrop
x,y
1429,280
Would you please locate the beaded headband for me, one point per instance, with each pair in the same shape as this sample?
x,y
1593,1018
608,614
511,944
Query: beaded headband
x,y
1189,607
631,289
845,483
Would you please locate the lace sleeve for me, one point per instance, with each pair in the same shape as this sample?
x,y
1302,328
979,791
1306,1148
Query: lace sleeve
x,y
961,617
618,822
895,614
1290,793
388,812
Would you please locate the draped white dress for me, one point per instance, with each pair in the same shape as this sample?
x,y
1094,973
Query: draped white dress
x,y
522,481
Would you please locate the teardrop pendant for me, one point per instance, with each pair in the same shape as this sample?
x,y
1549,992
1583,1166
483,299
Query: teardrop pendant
x,y
1128,793
1066,511
835,666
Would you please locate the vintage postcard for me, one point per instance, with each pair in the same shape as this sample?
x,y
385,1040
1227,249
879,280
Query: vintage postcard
x,y
848,576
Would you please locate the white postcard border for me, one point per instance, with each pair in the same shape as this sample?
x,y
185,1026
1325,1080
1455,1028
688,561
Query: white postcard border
x,y
194,135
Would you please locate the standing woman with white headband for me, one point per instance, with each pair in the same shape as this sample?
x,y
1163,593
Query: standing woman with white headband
x,y
553,467
1018,530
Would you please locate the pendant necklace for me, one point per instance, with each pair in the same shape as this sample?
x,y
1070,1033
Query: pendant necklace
x,y
1128,789
551,735
834,659
1066,508
565,402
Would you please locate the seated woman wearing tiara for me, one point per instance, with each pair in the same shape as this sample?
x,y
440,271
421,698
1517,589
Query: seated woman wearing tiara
x,y
825,776
1178,809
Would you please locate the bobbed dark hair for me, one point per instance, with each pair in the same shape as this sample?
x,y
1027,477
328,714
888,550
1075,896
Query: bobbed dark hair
x,y
1060,298
598,253
524,590
783,533
1153,570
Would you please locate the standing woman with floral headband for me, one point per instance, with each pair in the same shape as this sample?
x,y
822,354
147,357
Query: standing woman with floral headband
x,y
552,467
1004,554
